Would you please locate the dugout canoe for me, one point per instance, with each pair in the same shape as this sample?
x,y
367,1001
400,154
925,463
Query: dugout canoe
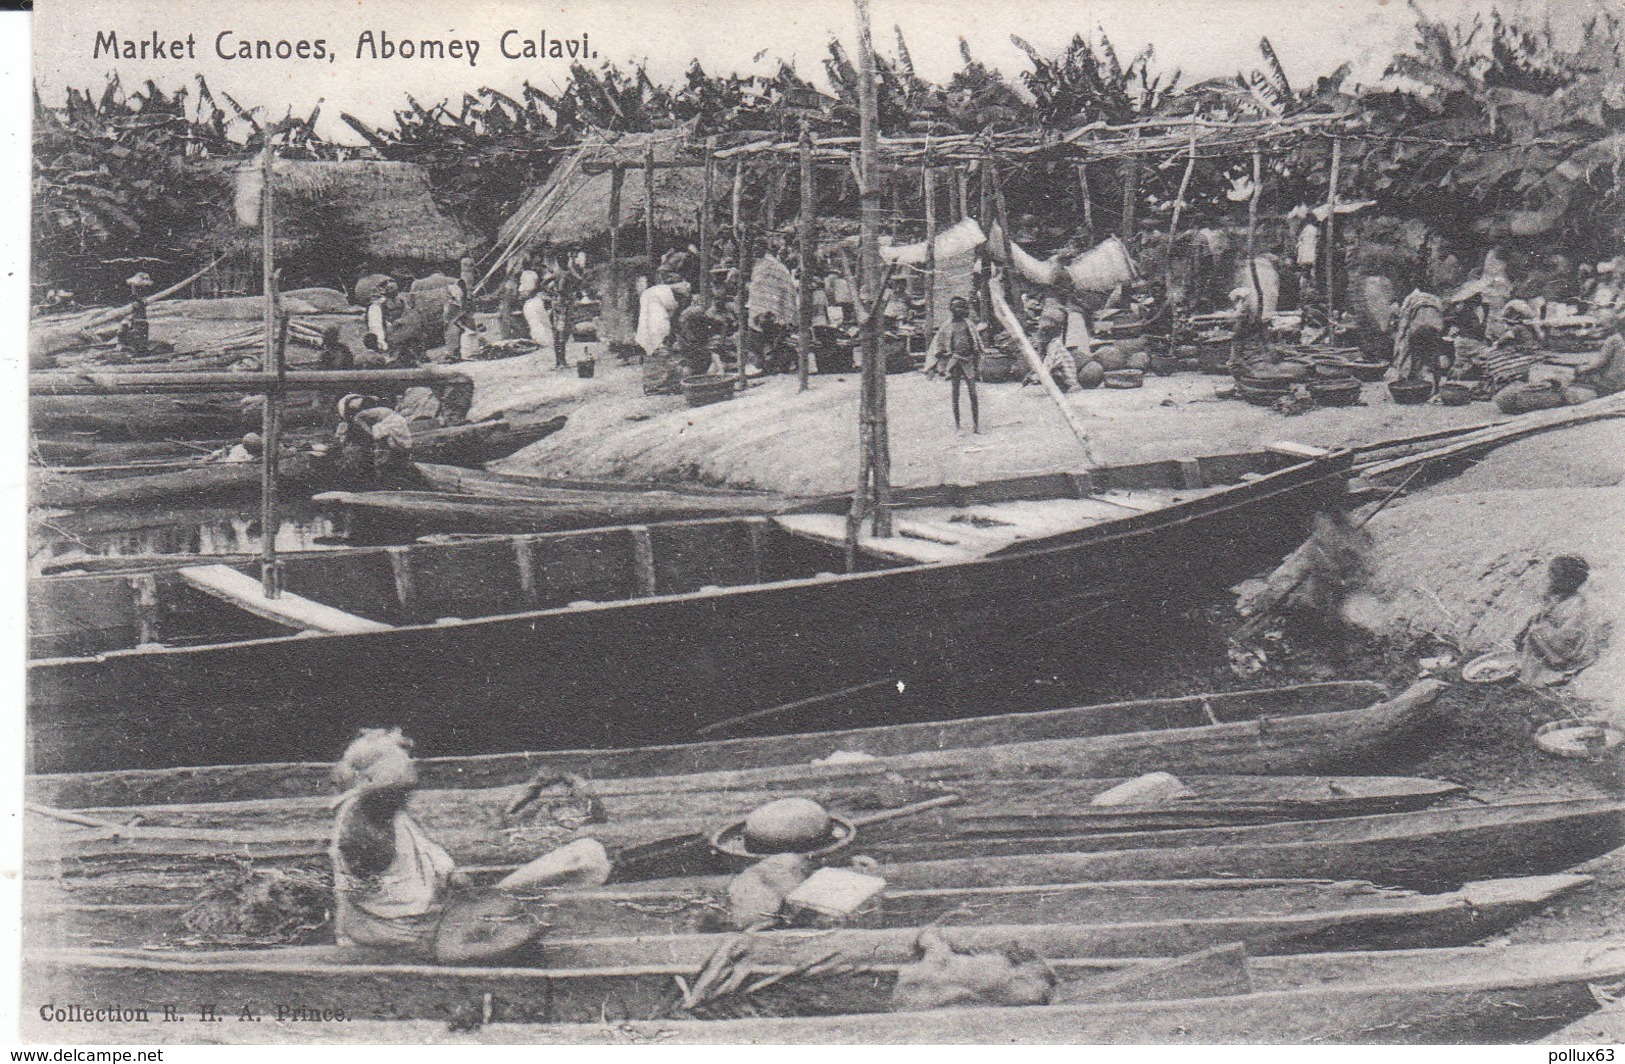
x,y
1475,994
142,484
663,629
400,516
1105,920
1428,850
476,827
1279,730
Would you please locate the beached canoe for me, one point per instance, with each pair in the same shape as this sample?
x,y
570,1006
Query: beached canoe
x,y
1481,994
1106,920
146,484
1436,849
477,828
1336,725
664,630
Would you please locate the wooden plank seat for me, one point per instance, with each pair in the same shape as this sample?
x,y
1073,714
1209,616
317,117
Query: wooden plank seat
x,y
295,611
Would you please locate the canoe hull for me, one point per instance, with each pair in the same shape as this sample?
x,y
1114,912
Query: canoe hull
x,y
656,669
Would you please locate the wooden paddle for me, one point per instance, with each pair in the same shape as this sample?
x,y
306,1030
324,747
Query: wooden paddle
x,y
691,854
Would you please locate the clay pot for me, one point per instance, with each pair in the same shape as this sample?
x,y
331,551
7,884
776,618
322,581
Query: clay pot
x,y
1091,374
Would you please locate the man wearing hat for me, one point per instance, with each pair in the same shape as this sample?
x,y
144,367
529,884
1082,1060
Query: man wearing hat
x,y
956,351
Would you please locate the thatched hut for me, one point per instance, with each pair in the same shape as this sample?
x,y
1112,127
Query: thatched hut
x,y
572,207
335,221
571,210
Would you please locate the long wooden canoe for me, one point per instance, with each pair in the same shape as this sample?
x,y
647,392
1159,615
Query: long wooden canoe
x,y
400,516
476,827
70,488
1103,920
1508,993
662,629
1323,724
1428,850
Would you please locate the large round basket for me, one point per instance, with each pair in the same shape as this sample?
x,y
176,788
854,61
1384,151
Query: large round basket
x,y
1410,393
1581,739
729,842
703,391
1335,393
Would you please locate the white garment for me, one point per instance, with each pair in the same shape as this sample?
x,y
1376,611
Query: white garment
x,y
402,905
529,282
375,323
1308,245
656,306
540,320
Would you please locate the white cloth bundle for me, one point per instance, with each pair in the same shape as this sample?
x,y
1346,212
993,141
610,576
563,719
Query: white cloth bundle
x,y
1102,268
953,241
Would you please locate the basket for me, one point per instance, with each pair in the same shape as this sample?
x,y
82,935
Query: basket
x,y
705,390
1581,739
1410,393
1261,392
1453,393
586,367
1125,378
1369,372
1335,393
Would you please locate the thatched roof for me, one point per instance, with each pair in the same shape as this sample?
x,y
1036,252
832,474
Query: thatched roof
x,y
572,206
383,210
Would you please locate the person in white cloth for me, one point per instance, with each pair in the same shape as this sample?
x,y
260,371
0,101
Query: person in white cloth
x,y
390,880
657,310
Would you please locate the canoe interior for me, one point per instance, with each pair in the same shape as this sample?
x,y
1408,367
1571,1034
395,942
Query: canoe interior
x,y
83,615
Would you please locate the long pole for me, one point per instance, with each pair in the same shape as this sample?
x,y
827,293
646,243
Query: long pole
x,y
1173,235
1088,200
1012,277
805,233
876,464
961,194
649,203
984,185
617,177
271,412
742,326
1131,193
1252,245
705,219
928,175
1331,243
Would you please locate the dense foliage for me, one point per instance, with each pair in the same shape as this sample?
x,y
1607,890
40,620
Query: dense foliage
x,y
1498,129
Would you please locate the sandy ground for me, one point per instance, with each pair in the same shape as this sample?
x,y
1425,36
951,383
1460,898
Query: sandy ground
x,y
774,437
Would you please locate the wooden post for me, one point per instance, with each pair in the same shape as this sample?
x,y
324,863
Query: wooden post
x,y
271,412
705,220
984,184
617,178
649,204
1252,243
1173,235
742,326
805,233
928,175
875,464
1131,193
961,192
1088,200
1331,244
1013,279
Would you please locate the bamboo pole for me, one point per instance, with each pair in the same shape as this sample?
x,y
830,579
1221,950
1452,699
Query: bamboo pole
x,y
1131,193
1013,278
1331,243
1012,325
1088,200
961,190
984,187
1173,235
805,233
707,187
1252,240
928,175
271,412
742,326
649,203
617,178
874,462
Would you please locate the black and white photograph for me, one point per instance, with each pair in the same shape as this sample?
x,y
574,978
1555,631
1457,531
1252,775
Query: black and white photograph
x,y
864,521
